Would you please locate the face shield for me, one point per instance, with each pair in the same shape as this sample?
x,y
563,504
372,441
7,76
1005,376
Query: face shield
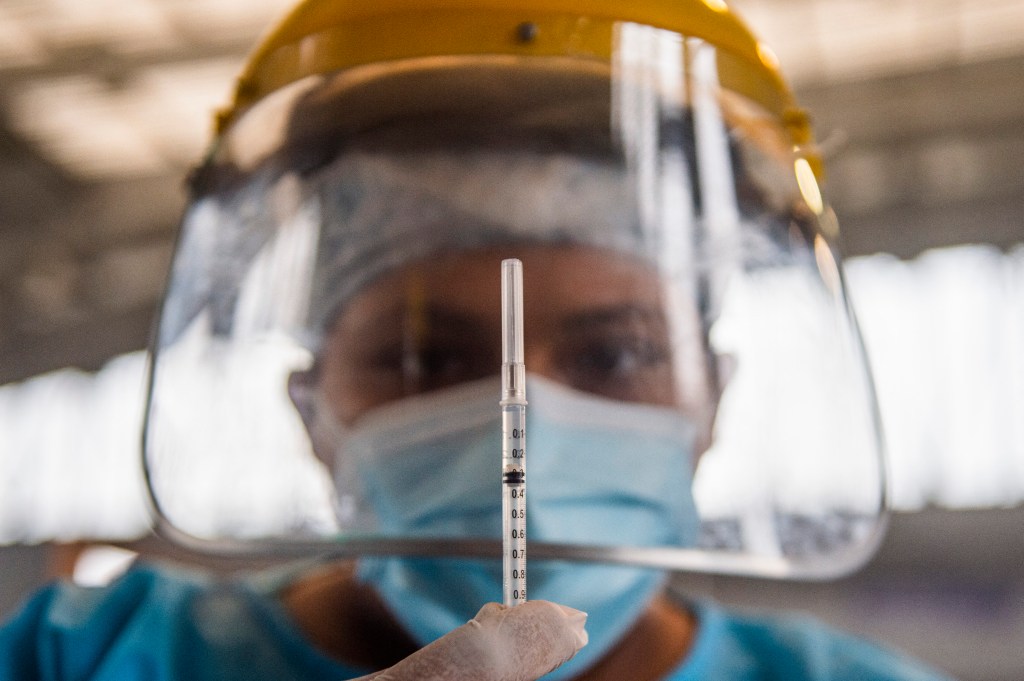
x,y
325,375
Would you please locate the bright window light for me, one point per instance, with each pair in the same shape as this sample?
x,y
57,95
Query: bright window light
x,y
945,335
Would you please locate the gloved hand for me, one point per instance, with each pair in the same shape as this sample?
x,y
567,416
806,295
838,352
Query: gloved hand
x,y
499,644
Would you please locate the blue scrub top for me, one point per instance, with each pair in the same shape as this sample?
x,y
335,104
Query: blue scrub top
x,y
161,625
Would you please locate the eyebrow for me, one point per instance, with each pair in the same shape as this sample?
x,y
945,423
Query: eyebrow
x,y
446,318
454,322
436,316
624,313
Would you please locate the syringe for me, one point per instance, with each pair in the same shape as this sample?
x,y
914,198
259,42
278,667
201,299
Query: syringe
x,y
513,434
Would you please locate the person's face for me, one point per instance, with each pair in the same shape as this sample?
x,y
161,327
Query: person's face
x,y
593,320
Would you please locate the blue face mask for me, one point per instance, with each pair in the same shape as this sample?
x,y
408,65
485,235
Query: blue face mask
x,y
599,472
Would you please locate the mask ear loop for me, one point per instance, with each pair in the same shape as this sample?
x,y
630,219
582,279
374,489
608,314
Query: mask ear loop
x,y
302,389
327,437
332,442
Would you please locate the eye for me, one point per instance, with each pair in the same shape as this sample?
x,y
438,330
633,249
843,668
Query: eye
x,y
442,362
619,365
434,358
617,357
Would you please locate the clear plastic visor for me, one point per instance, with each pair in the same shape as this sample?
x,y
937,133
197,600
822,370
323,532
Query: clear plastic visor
x,y
326,375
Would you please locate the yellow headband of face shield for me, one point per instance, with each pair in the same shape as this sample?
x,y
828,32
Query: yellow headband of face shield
x,y
322,36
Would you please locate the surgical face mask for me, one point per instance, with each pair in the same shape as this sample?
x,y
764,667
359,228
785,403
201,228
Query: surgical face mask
x,y
599,472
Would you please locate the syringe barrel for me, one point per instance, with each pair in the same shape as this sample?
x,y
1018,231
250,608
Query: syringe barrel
x,y
513,502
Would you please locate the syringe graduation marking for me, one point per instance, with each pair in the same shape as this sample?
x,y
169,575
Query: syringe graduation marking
x,y
513,424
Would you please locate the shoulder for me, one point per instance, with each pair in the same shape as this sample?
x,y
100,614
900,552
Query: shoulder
x,y
143,620
159,623
143,589
69,631
734,646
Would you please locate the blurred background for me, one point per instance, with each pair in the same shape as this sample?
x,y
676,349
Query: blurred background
x,y
919,105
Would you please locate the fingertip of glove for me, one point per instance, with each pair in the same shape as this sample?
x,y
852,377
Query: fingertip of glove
x,y
578,620
575,619
489,610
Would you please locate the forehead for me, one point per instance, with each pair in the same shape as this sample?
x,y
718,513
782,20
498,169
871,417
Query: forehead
x,y
379,214
557,280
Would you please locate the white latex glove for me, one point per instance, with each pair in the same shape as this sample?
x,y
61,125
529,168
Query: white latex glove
x,y
499,644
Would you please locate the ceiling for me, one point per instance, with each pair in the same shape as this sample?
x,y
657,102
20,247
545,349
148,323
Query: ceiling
x,y
104,105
